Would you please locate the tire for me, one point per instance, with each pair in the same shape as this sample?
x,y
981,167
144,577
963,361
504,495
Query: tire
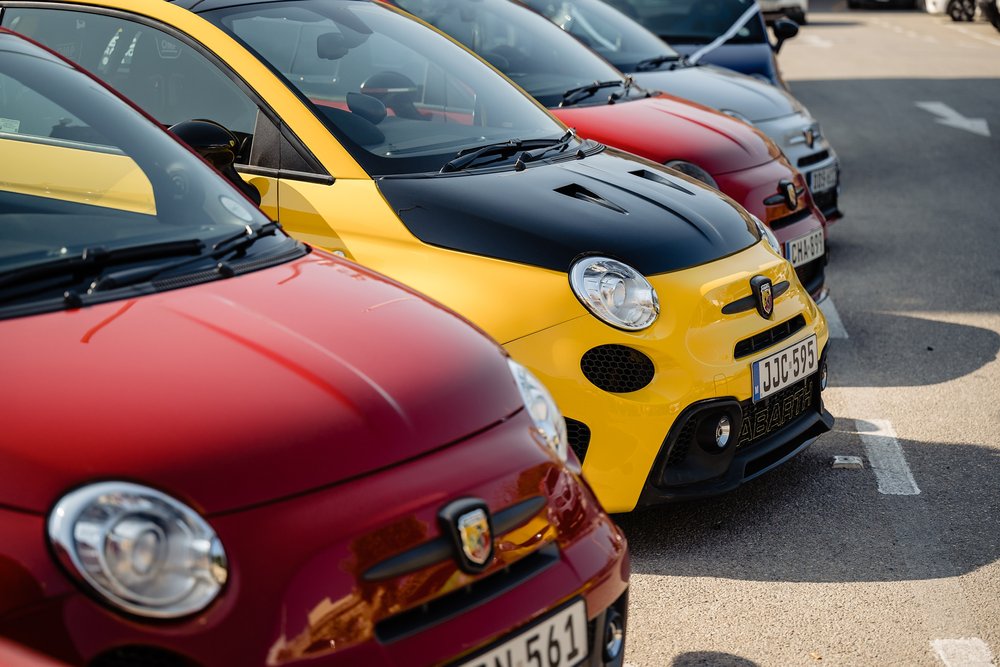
x,y
853,4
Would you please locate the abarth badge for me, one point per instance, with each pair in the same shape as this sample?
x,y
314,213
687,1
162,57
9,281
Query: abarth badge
x,y
810,136
763,296
468,522
791,195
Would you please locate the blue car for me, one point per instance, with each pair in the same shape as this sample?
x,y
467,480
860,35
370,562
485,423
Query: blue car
x,y
728,33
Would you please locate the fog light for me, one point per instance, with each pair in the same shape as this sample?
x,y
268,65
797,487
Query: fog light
x,y
614,635
722,430
823,377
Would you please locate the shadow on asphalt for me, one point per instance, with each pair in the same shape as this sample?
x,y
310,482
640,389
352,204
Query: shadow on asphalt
x,y
710,659
809,522
901,351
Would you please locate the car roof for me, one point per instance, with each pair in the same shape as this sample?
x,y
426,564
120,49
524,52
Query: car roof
x,y
198,6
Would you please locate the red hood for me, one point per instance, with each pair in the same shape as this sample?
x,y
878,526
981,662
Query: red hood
x,y
241,391
664,128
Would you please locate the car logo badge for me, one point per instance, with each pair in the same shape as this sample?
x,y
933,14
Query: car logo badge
x,y
791,195
468,522
763,295
810,137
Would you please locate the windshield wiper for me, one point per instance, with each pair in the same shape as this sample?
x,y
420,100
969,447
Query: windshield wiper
x,y
236,243
469,155
529,156
653,63
580,93
94,259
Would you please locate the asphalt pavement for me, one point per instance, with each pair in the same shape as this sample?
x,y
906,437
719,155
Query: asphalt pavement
x,y
895,562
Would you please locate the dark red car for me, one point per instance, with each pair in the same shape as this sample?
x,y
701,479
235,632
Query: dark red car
x,y
587,93
222,448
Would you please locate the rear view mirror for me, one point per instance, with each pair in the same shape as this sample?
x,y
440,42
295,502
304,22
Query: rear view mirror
x,y
331,46
784,29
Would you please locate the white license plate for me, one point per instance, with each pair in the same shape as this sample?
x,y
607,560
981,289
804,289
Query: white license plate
x,y
823,179
805,248
558,641
784,368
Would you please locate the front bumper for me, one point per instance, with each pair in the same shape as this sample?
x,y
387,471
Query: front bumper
x,y
789,132
299,590
691,351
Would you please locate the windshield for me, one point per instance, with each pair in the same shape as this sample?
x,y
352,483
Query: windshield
x,y
88,183
402,98
536,54
693,21
616,37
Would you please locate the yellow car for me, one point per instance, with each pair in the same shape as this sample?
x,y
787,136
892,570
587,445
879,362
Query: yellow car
x,y
680,345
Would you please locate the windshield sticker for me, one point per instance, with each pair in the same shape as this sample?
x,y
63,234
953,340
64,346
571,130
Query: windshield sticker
x,y
9,125
239,211
169,49
67,50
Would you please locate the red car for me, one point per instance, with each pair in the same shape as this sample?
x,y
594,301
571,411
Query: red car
x,y
589,94
222,448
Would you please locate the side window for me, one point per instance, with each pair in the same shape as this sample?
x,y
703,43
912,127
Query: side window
x,y
167,78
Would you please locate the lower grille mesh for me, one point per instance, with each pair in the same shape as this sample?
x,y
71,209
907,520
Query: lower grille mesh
x,y
617,369
770,415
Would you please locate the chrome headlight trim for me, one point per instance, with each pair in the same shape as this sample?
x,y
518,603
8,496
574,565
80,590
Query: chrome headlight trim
x,y
140,550
767,235
549,426
615,293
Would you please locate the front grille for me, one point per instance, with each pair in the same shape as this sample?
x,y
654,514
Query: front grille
x,y
826,201
140,656
617,369
770,415
789,219
815,158
679,452
811,274
772,336
578,435
474,594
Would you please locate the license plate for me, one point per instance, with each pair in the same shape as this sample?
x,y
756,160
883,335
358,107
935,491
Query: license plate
x,y
823,179
558,641
784,368
805,248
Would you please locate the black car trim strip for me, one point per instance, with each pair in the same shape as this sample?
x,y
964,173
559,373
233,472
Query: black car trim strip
x,y
440,549
749,303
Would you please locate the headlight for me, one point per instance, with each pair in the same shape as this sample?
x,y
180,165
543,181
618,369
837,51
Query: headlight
x,y
140,549
737,115
550,427
615,292
767,235
694,171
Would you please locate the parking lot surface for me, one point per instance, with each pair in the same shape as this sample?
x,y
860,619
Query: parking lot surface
x,y
893,562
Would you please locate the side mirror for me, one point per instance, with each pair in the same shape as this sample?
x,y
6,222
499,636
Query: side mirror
x,y
784,29
208,139
218,146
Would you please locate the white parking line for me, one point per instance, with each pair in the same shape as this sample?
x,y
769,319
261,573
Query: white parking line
x,y
963,652
836,325
815,40
973,35
885,456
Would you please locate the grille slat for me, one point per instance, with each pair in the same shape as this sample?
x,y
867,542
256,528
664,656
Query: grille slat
x,y
772,336
770,415
815,158
617,369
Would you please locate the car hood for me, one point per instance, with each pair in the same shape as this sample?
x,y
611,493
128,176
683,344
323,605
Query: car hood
x,y
664,128
549,214
242,391
746,58
722,89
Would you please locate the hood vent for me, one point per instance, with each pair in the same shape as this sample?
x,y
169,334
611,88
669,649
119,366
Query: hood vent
x,y
577,191
659,178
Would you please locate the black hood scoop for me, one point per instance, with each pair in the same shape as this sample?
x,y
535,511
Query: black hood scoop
x,y
610,204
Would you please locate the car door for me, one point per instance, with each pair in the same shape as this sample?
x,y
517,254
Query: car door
x,y
173,79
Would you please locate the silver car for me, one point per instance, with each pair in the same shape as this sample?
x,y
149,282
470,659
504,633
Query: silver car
x,y
656,66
